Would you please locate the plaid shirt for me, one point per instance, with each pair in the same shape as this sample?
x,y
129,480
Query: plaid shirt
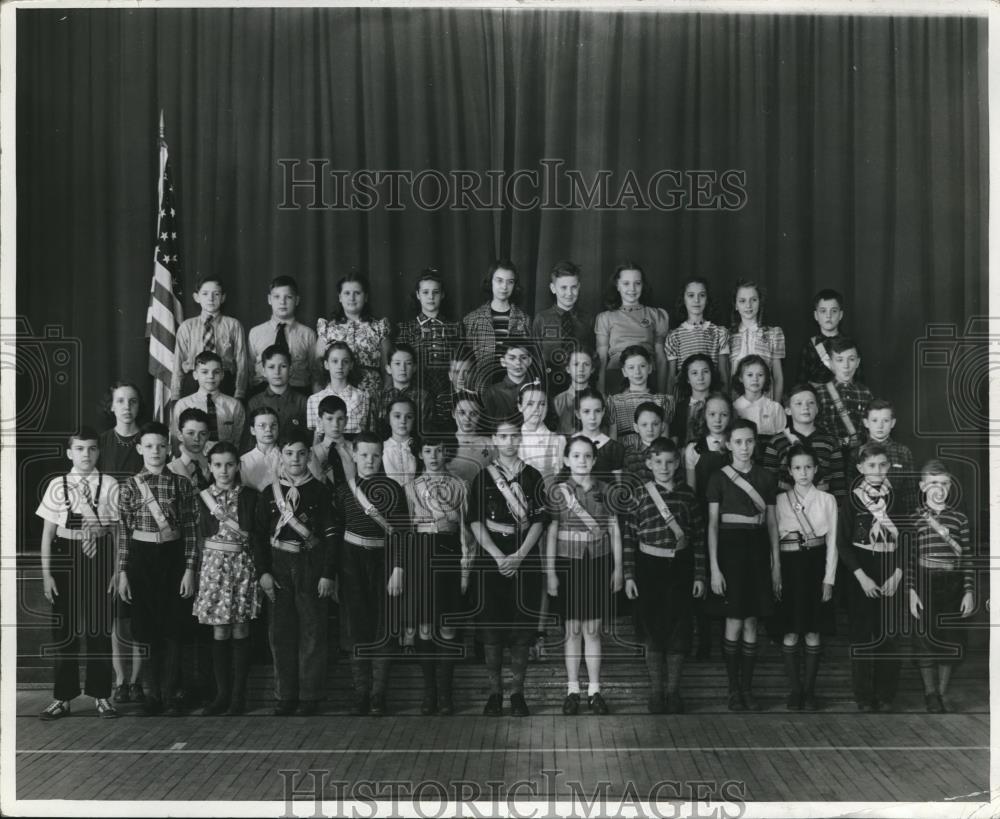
x,y
645,524
177,499
929,544
635,460
902,473
478,329
856,398
830,472
358,408
433,339
424,408
621,412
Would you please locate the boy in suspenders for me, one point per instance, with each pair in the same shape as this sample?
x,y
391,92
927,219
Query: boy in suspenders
x,y
373,517
296,566
157,552
79,510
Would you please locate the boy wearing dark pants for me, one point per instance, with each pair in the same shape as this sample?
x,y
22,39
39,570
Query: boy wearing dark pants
x,y
296,566
79,510
157,550
871,530
374,516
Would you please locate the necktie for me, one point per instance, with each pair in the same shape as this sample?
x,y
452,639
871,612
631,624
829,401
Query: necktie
x,y
88,497
213,418
208,335
566,328
200,479
280,337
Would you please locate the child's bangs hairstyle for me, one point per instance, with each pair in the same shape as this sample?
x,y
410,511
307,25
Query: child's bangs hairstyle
x,y
330,405
841,344
803,387
403,347
295,436
207,357
224,448
680,308
799,449
741,368
275,350
367,437
742,423
828,295
648,406
934,467
340,345
283,281
634,350
203,280
264,409
192,414
735,317
684,390
82,434
590,394
612,298
502,264
154,428
871,449
662,446
579,439
515,420
880,404
109,396
358,278
563,268
428,274
401,399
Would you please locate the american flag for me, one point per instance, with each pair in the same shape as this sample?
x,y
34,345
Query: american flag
x,y
165,311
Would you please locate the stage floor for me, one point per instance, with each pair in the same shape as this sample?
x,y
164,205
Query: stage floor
x,y
834,755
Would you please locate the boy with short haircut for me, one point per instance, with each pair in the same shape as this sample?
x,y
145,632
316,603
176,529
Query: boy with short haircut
x,y
802,408
332,419
879,421
562,328
460,379
284,332
286,401
400,368
663,546
843,400
226,416
157,553
372,518
191,463
212,332
297,568
871,529
473,450
816,362
500,399
579,369
940,580
80,511
648,427
259,466
338,362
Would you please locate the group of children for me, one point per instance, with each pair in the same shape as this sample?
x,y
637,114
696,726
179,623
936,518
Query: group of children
x,y
454,494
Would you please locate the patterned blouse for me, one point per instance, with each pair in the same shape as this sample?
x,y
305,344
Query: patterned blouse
x,y
365,340
767,342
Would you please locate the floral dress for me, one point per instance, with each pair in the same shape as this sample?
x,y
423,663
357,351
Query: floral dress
x,y
365,340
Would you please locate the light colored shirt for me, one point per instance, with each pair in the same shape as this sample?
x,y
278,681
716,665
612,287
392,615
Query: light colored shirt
x,y
820,509
398,460
301,346
259,469
57,503
471,455
229,413
358,407
185,466
768,415
767,342
230,344
705,338
542,449
622,328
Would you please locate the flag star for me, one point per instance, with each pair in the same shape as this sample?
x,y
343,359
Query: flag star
x,y
162,213
173,212
173,235
163,236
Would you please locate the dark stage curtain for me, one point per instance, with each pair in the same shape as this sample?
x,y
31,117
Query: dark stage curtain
x,y
863,141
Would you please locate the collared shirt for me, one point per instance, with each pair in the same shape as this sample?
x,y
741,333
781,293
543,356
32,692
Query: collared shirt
x,y
229,412
830,460
479,330
931,546
176,498
621,328
855,396
433,339
811,366
57,504
542,449
820,510
487,503
768,415
301,345
358,407
424,406
437,501
314,511
556,347
398,460
320,462
471,455
610,457
576,540
621,413
564,408
855,525
290,407
705,338
194,468
258,469
500,399
901,472
635,460
645,524
230,344
767,342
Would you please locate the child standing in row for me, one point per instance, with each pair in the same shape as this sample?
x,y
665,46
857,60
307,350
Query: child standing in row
x,y
228,593
332,459
284,332
816,362
842,400
636,364
583,567
500,319
743,558
286,401
694,333
562,329
401,369
259,467
398,459
697,380
879,421
807,539
338,362
610,455
648,427
192,464
473,451
500,399
750,336
226,417
579,370
540,447
754,380
432,337
664,554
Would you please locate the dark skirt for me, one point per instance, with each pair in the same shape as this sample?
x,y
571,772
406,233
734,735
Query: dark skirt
x,y
509,607
663,609
801,609
433,582
939,635
155,571
745,563
584,588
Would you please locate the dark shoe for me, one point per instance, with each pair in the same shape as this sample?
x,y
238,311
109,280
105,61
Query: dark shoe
x,y
284,708
429,704
136,692
656,704
308,708
176,708
750,701
105,710
597,704
56,710
518,707
122,693
215,707
378,705
794,701
237,707
675,704
362,705
809,702
444,705
866,706
571,705
886,706
494,706
934,704
736,701
152,706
